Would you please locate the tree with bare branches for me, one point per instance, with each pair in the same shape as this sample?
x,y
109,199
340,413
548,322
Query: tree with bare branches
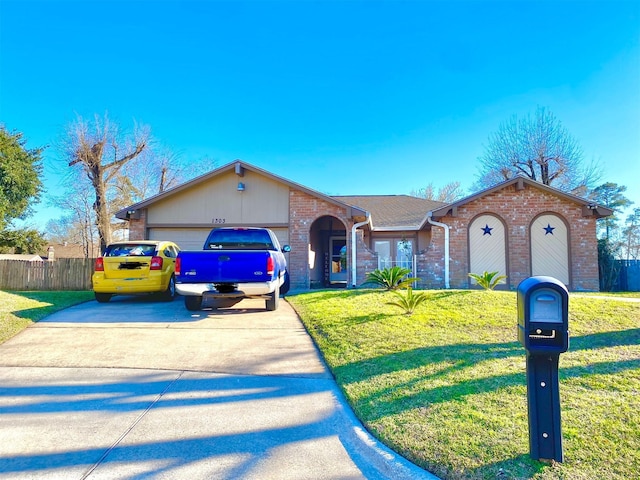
x,y
100,150
538,147
449,193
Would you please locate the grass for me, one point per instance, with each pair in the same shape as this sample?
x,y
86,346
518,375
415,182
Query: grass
x,y
18,310
446,386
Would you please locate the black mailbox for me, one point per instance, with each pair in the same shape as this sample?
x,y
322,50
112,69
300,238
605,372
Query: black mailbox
x,y
543,315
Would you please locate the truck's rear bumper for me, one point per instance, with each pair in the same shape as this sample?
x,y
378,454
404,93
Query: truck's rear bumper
x,y
242,289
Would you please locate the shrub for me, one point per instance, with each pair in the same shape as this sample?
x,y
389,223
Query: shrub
x,y
409,301
488,280
391,278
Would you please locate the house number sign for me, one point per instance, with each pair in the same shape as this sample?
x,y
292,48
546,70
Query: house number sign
x,y
218,220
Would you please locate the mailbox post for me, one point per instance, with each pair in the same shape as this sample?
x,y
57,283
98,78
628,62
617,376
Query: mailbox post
x,y
543,330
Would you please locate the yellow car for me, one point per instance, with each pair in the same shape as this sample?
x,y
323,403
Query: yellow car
x,y
139,266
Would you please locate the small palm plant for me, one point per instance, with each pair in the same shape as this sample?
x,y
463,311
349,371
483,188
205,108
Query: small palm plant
x,y
488,280
392,278
408,302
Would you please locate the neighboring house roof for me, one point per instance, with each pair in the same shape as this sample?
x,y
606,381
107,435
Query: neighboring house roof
x,y
25,257
239,166
68,250
393,212
589,208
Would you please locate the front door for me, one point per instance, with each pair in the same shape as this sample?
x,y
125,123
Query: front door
x,y
338,260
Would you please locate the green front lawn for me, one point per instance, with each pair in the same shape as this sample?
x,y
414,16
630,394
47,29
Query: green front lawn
x,y
18,310
446,387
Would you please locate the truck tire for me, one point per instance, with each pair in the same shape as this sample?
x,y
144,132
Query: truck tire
x,y
193,303
103,297
284,289
273,300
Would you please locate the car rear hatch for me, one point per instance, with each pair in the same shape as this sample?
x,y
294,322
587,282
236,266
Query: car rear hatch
x,y
128,261
126,267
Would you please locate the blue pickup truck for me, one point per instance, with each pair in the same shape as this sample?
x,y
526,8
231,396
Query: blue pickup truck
x,y
235,263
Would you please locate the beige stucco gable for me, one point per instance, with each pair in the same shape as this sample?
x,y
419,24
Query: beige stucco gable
x,y
218,201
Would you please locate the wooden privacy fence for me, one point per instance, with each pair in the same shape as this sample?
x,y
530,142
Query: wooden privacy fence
x,y
60,274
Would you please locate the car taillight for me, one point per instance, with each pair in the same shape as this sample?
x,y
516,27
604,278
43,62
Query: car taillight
x,y
271,266
178,264
156,263
99,265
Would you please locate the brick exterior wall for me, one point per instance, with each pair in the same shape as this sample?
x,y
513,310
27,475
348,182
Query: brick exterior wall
x,y
366,260
517,209
138,227
304,210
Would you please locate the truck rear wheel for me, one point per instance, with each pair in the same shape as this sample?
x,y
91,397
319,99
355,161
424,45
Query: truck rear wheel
x,y
193,303
286,284
273,300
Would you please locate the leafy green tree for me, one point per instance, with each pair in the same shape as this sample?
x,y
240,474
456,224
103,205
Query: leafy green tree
x,y
391,278
610,195
538,147
22,240
631,235
20,171
608,268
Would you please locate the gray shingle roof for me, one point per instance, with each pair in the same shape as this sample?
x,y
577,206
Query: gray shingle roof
x,y
392,211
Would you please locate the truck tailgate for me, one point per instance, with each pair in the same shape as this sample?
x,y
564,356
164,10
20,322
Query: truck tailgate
x,y
230,266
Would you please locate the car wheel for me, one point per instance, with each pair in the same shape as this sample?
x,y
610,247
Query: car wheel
x,y
274,298
284,289
103,297
170,293
193,303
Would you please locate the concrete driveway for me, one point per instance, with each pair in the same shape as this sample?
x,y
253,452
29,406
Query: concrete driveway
x,y
138,389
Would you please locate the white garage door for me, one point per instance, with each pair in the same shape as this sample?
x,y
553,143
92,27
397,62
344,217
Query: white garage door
x,y
487,246
186,238
193,238
550,248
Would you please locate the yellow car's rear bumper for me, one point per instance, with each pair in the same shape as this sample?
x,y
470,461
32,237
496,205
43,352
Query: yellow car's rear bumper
x,y
154,283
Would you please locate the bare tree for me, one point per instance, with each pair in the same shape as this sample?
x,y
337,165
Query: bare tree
x,y
448,194
101,151
540,148
78,225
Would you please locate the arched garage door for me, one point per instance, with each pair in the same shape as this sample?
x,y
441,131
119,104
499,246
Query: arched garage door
x,y
487,246
550,247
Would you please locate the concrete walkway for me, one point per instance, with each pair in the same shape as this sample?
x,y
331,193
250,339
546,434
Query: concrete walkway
x,y
139,389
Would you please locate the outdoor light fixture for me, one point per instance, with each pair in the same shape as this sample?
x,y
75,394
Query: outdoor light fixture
x,y
240,187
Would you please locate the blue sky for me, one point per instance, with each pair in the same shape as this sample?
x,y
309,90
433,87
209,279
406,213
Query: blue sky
x,y
344,97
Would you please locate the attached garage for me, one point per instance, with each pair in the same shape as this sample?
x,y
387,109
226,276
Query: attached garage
x,y
185,238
